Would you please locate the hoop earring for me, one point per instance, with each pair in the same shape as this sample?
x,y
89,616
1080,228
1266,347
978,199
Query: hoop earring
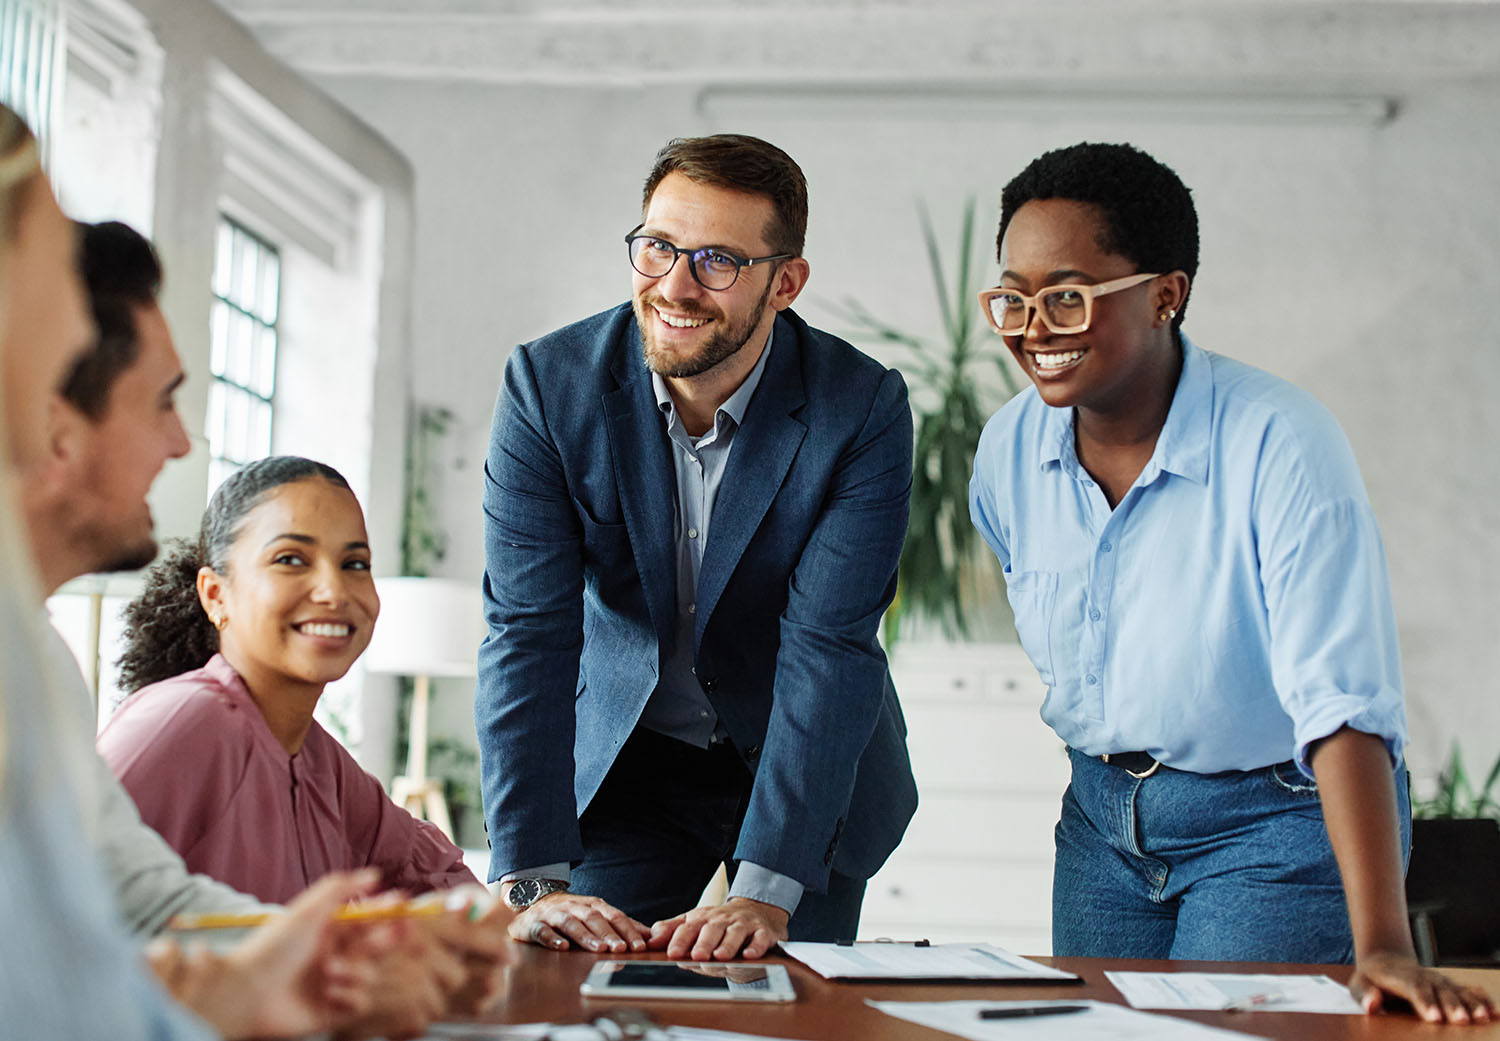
x,y
219,622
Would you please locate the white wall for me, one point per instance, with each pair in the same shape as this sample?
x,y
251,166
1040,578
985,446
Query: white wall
x,y
1355,257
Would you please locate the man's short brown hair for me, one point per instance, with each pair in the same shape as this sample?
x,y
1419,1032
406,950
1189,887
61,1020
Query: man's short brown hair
x,y
121,272
744,164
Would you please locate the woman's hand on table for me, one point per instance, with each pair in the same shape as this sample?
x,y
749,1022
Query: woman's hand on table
x,y
476,929
1433,996
289,977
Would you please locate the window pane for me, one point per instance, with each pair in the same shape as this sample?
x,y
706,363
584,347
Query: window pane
x,y
241,349
235,425
265,361
247,253
268,301
213,424
218,339
223,258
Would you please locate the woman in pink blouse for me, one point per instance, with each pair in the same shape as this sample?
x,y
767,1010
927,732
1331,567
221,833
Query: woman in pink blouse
x,y
230,647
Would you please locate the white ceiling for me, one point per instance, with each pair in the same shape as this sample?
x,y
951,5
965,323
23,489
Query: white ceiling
x,y
1275,44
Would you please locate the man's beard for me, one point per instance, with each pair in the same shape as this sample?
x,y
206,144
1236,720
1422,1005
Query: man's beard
x,y
720,345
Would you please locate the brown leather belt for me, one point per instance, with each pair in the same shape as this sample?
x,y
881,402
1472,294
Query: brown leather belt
x,y
1136,764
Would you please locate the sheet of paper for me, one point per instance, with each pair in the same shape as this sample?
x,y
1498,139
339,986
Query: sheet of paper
x,y
487,1031
1224,990
1103,1021
572,1032
905,961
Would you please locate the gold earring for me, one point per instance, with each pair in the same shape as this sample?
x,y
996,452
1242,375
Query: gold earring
x,y
219,622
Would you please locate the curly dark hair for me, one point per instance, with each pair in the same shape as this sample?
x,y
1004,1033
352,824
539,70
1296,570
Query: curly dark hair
x,y
1148,214
167,631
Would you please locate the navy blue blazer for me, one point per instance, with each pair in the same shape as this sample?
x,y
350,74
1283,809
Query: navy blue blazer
x,y
800,564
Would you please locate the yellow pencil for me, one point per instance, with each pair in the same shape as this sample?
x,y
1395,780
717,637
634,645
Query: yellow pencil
x,y
350,913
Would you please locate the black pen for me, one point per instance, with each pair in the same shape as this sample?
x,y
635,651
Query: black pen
x,y
1030,1010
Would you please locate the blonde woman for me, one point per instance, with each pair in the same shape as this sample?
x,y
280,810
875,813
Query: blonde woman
x,y
62,937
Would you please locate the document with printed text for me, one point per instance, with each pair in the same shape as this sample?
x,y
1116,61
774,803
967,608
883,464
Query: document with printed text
x,y
1246,992
908,961
1101,1021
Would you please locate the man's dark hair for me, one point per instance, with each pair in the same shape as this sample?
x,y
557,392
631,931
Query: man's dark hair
x,y
743,164
121,272
1146,211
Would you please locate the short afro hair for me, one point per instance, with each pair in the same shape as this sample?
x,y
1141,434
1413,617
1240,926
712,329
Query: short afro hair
x,y
1148,214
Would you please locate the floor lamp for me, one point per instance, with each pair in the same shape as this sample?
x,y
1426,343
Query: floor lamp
x,y
428,627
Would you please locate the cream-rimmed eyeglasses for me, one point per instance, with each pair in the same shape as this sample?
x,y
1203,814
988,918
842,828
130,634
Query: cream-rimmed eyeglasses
x,y
1064,308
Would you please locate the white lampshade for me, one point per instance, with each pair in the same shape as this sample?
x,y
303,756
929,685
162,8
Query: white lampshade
x,y
427,627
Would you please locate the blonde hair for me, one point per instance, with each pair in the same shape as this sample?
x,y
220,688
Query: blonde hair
x,y
21,661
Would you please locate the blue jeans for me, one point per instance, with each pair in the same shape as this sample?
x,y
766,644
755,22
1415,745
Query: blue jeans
x,y
667,815
1233,866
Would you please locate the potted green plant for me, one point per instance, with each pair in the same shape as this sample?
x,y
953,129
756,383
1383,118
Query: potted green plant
x,y
1453,881
951,405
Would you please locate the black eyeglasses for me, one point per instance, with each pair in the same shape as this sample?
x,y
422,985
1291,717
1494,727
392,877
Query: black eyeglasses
x,y
712,269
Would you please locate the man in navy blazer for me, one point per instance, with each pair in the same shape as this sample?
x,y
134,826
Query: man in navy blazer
x,y
694,507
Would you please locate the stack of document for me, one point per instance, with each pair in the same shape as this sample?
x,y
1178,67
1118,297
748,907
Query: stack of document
x,y
933,963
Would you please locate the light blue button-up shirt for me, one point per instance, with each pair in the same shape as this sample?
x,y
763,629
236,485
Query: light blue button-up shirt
x,y
1234,606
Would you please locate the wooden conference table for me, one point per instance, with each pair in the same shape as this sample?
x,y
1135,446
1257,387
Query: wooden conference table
x,y
543,987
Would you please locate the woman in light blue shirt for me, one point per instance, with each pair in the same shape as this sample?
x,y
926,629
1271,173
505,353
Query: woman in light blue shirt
x,y
1198,577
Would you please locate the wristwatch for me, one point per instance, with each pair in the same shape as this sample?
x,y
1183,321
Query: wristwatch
x,y
526,891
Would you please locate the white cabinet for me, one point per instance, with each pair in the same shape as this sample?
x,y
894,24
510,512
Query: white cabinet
x,y
976,863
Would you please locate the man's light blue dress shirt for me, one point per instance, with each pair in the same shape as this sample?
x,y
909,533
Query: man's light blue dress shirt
x,y
1233,608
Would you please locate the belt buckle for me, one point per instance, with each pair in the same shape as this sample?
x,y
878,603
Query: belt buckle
x,y
1155,766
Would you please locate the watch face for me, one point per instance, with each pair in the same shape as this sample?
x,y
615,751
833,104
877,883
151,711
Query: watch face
x,y
524,893
527,891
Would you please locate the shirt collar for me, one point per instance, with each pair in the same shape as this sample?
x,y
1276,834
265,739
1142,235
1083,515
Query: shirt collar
x,y
1181,447
734,406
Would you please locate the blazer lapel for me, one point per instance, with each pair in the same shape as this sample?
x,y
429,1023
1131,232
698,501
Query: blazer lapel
x,y
643,475
764,447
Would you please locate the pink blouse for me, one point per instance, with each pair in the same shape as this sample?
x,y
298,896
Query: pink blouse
x,y
207,773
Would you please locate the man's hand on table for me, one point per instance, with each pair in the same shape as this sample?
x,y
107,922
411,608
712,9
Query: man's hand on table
x,y
740,928
1433,996
561,920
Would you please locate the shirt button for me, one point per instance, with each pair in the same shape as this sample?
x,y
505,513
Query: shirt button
x,y
1090,680
1106,546
702,714
692,608
1093,613
692,533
